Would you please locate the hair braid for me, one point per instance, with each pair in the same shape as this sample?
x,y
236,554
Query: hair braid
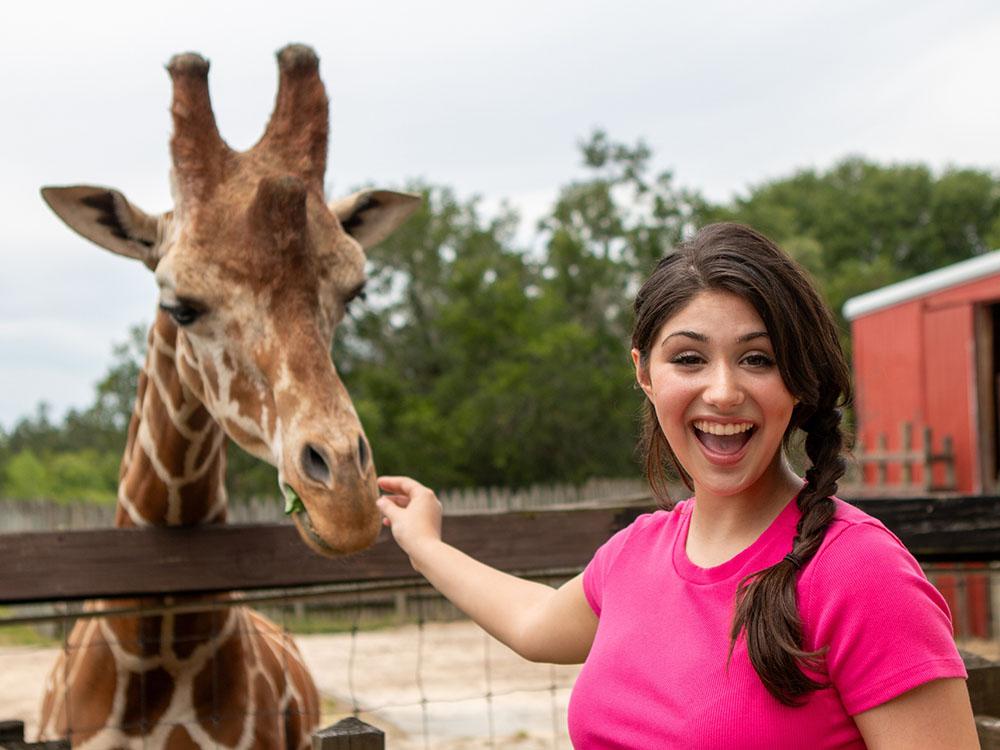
x,y
767,607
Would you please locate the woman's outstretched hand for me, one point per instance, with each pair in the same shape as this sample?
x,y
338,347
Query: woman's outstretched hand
x,y
412,511
536,621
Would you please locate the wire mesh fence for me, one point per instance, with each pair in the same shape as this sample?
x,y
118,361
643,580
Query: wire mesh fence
x,y
387,650
397,656
393,654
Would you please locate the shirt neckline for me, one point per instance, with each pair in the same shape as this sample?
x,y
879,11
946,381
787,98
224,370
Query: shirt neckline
x,y
770,538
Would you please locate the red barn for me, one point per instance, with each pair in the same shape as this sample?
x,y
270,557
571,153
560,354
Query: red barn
x,y
927,353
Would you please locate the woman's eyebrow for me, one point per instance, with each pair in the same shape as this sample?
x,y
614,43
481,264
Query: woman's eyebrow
x,y
704,339
688,334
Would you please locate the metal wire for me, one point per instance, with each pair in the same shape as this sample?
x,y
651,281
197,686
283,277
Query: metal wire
x,y
355,705
420,676
487,668
66,614
555,706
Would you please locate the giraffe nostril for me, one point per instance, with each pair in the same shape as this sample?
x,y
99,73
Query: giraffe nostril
x,y
314,465
362,454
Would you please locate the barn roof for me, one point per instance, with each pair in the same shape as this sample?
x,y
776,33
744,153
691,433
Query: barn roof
x,y
918,286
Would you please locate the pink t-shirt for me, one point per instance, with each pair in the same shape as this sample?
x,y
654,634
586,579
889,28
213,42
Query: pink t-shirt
x,y
657,677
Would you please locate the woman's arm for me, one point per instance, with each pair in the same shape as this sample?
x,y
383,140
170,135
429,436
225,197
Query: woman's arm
x,y
934,716
536,621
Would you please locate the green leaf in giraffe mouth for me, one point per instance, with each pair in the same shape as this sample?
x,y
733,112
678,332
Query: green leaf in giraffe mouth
x,y
293,503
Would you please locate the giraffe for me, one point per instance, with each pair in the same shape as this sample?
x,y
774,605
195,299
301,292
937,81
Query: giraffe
x,y
255,270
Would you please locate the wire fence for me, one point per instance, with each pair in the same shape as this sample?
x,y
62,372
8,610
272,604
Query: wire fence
x,y
395,655
401,658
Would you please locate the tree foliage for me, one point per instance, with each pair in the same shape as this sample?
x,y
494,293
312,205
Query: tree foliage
x,y
476,361
859,226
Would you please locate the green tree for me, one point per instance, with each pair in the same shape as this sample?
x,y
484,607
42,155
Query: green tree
x,y
82,475
860,225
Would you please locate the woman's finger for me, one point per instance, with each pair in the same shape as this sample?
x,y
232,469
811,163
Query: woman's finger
x,y
400,485
388,508
401,500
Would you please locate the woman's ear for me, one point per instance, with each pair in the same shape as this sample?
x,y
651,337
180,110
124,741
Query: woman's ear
x,y
642,374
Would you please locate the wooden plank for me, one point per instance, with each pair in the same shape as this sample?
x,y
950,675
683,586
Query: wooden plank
x,y
119,563
942,529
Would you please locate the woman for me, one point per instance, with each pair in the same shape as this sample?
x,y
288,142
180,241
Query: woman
x,y
762,612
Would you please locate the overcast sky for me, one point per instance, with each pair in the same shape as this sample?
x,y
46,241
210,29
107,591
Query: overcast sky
x,y
489,98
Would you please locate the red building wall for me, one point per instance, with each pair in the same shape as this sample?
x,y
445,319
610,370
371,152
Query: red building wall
x,y
888,375
915,362
949,386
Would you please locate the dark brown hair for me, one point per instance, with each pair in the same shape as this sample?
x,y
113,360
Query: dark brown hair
x,y
739,260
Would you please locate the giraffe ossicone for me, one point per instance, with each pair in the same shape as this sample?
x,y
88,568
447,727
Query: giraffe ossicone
x,y
255,269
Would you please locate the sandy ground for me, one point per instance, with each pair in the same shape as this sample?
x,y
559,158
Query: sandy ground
x,y
425,687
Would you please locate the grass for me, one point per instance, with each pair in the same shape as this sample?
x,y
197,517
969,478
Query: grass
x,y
23,635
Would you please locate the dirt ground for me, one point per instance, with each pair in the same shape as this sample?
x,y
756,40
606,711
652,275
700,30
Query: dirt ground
x,y
425,687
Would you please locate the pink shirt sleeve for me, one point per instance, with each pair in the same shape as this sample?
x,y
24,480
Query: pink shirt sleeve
x,y
887,628
596,573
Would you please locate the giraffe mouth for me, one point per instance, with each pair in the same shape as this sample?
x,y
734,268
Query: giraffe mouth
x,y
295,508
305,525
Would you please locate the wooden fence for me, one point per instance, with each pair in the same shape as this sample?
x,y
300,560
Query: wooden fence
x,y
49,515
910,469
118,563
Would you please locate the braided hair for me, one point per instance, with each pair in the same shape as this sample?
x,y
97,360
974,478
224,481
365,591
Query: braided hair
x,y
737,259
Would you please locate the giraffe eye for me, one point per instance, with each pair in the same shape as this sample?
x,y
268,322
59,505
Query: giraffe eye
x,y
356,293
183,315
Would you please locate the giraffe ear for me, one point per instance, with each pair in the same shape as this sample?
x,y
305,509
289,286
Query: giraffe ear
x,y
105,217
370,216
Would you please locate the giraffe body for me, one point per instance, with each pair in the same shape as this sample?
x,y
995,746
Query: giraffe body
x,y
255,270
233,680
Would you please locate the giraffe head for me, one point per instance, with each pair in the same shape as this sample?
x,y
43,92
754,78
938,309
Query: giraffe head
x,y
256,270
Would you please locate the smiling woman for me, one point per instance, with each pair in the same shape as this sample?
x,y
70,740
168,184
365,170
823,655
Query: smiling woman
x,y
762,612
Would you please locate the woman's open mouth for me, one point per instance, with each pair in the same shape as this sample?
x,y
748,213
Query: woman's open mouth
x,y
724,441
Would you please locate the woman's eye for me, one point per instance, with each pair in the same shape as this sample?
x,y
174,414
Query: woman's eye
x,y
360,295
759,360
686,360
183,315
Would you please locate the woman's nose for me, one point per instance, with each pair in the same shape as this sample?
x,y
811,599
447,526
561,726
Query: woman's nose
x,y
723,390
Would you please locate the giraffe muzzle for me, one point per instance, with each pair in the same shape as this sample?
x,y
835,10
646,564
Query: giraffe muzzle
x,y
333,494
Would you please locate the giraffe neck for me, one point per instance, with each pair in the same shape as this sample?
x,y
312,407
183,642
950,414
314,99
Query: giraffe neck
x,y
173,469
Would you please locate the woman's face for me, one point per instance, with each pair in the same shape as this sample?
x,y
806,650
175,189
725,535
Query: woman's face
x,y
718,395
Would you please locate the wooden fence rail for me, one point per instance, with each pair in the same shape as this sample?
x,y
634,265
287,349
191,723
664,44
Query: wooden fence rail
x,y
113,563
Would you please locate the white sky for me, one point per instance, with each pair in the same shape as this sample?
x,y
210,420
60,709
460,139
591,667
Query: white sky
x,y
489,98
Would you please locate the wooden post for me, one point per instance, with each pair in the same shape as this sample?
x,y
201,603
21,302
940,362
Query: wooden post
x,y
881,465
928,478
984,691
349,734
12,738
906,445
988,729
994,583
11,730
949,464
